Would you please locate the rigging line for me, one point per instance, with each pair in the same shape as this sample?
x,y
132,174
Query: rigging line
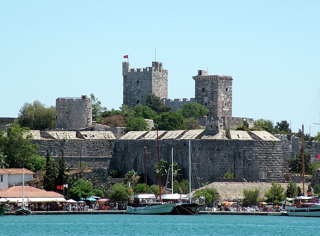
x,y
312,105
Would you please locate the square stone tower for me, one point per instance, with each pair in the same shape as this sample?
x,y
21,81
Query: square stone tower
x,y
137,83
214,92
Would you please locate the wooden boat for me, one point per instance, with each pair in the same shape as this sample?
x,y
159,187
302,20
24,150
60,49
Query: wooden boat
x,y
147,204
182,204
304,206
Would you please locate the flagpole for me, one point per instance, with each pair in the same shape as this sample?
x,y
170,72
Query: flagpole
x,y
155,55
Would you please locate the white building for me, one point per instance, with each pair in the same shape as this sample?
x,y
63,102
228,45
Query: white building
x,y
13,176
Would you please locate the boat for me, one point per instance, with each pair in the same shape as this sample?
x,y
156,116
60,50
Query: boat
x,y
304,205
23,210
147,204
183,204
3,207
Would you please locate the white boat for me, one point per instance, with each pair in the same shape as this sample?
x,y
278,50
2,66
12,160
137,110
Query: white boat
x,y
304,206
23,210
146,204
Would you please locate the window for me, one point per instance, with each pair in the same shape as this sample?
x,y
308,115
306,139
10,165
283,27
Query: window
x,y
137,101
137,81
226,89
1,178
205,104
203,89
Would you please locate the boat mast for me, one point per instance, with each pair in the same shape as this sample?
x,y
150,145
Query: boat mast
x,y
302,156
172,171
145,164
159,167
22,187
189,170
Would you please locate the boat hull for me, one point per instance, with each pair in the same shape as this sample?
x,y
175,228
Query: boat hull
x,y
186,209
23,211
151,209
307,211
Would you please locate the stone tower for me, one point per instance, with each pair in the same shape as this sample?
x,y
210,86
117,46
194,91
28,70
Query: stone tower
x,y
214,92
73,113
137,83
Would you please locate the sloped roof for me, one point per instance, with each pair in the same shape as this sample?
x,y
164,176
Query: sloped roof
x,y
16,192
17,171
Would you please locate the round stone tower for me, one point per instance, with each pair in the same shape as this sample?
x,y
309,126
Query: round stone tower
x,y
73,113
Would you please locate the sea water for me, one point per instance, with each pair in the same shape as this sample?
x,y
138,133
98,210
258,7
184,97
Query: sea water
x,y
157,225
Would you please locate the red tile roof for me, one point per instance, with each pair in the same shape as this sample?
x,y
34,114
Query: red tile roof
x,y
16,191
18,171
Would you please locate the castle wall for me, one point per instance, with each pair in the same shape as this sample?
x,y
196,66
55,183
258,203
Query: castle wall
x,y
94,153
177,103
73,113
211,159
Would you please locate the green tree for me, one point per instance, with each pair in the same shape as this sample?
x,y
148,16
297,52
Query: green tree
x,y
282,127
192,123
164,166
228,175
244,126
276,193
37,116
156,104
155,189
97,109
80,189
292,189
145,112
50,177
17,149
170,121
98,192
132,177
184,185
262,124
141,188
295,165
119,193
317,137
62,177
136,124
193,110
250,197
210,194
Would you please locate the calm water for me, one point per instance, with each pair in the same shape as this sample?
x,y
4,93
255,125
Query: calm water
x,y
158,225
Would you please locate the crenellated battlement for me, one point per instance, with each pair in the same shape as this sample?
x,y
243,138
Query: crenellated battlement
x,y
177,103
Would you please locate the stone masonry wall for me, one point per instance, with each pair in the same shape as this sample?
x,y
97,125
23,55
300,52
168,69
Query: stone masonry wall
x,y
94,153
211,159
177,103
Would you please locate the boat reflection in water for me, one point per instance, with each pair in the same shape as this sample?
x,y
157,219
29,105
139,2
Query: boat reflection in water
x,y
147,204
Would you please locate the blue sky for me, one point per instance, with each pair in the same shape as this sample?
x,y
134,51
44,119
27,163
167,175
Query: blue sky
x,y
51,49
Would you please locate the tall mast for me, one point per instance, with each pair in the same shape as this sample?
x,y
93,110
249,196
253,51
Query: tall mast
x,y
189,170
159,167
145,164
302,156
22,187
172,170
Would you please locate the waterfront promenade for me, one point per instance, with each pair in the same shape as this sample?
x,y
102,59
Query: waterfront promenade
x,y
101,212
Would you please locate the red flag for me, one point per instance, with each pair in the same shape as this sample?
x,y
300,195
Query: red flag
x,y
125,56
318,156
60,187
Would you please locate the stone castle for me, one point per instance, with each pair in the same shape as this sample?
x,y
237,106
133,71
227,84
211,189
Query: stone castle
x,y
250,156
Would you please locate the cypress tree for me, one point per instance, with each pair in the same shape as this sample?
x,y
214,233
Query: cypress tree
x,y
50,177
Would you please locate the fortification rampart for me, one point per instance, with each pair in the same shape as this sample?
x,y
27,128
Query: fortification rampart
x,y
251,160
177,103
